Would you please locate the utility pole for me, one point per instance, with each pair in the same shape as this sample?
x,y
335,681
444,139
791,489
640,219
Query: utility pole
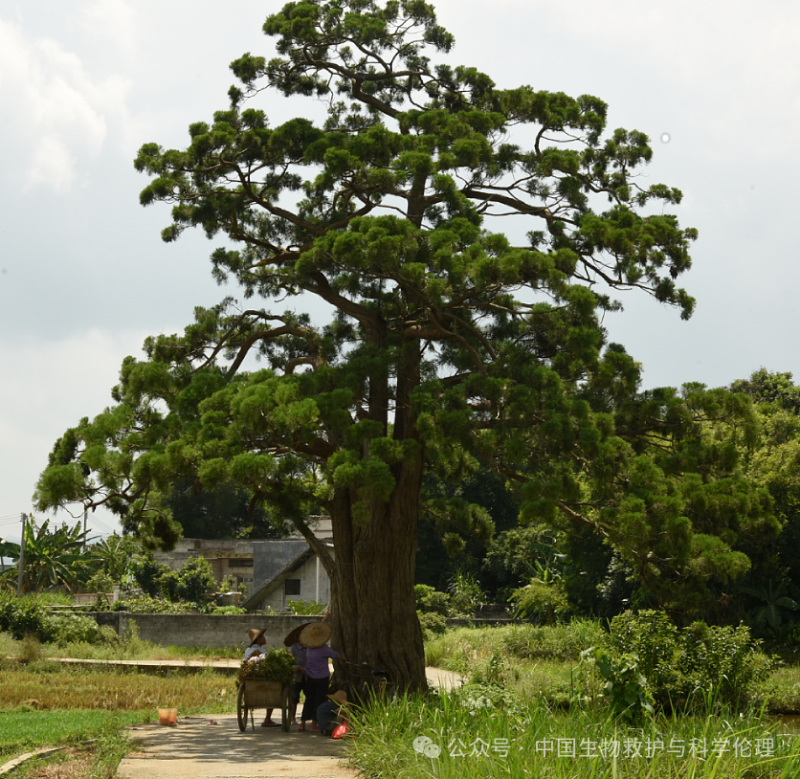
x,y
21,556
84,530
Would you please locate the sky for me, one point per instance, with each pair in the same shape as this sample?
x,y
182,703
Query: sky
x,y
85,277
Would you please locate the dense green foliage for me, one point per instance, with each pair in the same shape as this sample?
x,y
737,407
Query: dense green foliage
x,y
192,582
52,557
30,616
275,665
697,666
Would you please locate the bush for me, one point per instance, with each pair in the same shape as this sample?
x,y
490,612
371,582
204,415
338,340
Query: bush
x,y
196,580
229,610
541,601
699,666
147,572
557,642
626,687
465,594
305,607
108,636
65,629
148,605
458,649
431,601
431,624
22,616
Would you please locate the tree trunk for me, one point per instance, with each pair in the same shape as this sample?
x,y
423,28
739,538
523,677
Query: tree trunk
x,y
374,609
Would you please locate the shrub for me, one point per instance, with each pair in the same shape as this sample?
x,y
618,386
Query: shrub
x,y
697,666
540,601
557,642
65,629
229,610
108,636
169,585
465,594
147,572
626,687
431,601
30,650
147,605
305,607
431,624
22,616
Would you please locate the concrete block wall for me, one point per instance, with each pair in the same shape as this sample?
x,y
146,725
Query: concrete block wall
x,y
198,630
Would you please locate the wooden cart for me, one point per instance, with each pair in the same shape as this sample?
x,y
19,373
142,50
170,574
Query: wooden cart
x,y
262,694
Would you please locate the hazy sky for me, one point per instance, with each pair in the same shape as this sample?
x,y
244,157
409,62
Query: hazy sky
x,y
84,276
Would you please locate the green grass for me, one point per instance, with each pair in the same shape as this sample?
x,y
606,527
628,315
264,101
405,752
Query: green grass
x,y
111,648
480,732
43,704
543,663
459,650
25,731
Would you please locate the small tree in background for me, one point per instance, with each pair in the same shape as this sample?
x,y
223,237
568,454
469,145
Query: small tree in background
x,y
196,580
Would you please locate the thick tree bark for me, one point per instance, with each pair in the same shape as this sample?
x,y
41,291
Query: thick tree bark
x,y
374,609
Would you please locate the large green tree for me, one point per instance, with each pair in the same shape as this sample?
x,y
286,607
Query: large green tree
x,y
448,342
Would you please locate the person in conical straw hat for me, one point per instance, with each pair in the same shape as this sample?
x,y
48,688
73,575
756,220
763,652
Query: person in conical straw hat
x,y
330,710
314,637
257,641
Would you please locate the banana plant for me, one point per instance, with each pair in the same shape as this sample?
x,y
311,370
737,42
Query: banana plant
x,y
775,602
53,557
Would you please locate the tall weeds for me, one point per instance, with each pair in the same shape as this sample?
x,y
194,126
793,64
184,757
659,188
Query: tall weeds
x,y
471,733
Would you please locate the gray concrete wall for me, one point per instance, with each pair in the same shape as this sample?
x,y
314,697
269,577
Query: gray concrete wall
x,y
197,630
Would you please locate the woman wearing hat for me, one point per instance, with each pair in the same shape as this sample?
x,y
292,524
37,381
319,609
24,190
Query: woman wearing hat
x,y
257,640
314,637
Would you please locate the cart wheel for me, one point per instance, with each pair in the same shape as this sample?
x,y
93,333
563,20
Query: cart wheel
x,y
286,700
241,709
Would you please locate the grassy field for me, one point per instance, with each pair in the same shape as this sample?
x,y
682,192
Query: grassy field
x,y
469,735
132,649
42,704
543,663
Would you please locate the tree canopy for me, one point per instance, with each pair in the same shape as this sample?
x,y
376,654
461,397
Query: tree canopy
x,y
466,239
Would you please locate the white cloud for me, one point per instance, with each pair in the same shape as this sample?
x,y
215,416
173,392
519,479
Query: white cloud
x,y
112,20
61,111
51,164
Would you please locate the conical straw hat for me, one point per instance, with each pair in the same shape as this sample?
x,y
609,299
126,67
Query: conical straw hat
x,y
315,634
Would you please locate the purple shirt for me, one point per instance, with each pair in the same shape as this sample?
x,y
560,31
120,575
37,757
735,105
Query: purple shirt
x,y
317,661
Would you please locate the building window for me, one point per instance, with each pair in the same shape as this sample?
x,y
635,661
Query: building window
x,y
291,587
240,563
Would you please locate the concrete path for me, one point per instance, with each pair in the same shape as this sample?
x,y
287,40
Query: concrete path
x,y
198,749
